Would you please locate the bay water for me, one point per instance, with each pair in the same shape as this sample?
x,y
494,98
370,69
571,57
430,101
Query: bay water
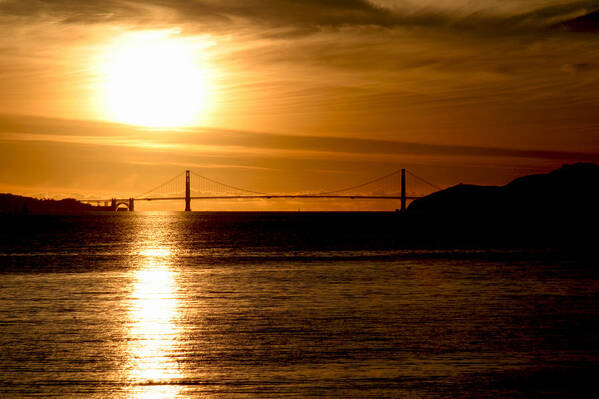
x,y
284,305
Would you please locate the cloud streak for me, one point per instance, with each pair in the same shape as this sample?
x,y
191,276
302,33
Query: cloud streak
x,y
15,128
305,14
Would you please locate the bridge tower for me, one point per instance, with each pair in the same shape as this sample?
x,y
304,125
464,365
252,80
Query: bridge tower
x,y
113,204
131,204
187,192
403,190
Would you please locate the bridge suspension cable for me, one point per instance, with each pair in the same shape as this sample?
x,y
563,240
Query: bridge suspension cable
x,y
362,185
424,181
172,184
203,186
223,185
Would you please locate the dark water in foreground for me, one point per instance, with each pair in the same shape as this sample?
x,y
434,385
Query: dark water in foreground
x,y
283,305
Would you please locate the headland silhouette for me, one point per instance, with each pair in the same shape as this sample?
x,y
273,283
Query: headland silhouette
x,y
555,209
18,204
552,209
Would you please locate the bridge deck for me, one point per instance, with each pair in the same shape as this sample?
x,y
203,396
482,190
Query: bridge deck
x,y
266,196
378,197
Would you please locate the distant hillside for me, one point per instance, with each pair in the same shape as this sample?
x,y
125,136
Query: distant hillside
x,y
572,189
560,206
16,204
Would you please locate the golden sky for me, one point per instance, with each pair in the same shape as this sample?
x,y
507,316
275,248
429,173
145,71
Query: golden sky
x,y
112,97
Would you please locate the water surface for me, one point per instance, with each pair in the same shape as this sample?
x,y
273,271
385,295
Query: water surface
x,y
250,305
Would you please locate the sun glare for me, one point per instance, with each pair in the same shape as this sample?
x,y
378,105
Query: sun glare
x,y
154,79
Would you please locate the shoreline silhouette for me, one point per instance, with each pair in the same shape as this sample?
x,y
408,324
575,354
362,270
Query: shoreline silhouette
x,y
12,204
552,210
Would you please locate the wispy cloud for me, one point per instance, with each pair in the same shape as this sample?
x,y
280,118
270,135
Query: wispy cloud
x,y
206,140
305,13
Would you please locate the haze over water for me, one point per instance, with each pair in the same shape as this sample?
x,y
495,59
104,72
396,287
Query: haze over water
x,y
253,305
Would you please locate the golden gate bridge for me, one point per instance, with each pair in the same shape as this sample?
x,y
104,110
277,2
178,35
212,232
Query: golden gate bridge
x,y
189,185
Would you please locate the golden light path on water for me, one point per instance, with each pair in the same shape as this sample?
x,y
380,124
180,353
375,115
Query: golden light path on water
x,y
154,335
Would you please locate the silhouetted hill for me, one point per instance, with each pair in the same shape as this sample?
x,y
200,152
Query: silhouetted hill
x,y
585,23
542,208
16,204
572,188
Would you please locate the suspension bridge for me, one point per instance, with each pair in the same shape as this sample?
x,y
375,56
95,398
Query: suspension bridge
x,y
190,186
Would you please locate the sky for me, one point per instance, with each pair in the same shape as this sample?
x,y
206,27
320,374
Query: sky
x,y
109,98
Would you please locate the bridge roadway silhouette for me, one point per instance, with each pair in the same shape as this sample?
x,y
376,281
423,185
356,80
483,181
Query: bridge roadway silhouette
x,y
239,193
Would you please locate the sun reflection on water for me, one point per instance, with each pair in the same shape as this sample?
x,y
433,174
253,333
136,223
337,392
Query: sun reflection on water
x,y
153,370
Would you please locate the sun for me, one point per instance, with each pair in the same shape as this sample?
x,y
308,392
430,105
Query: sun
x,y
154,80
